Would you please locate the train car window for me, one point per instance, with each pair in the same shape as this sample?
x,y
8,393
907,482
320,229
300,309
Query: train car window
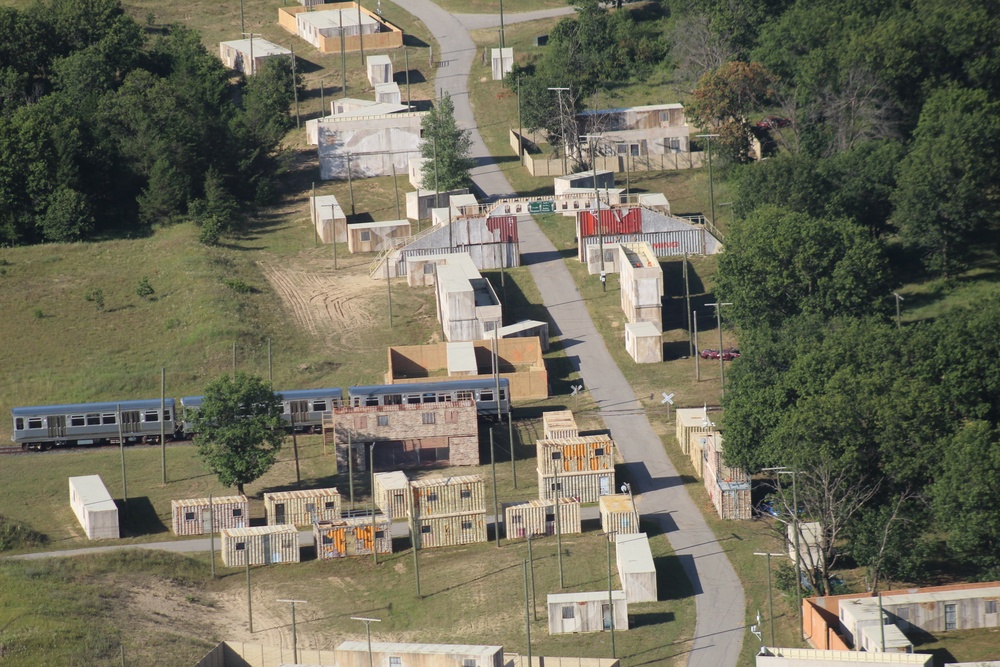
x,y
412,399
394,399
463,396
166,415
486,395
19,424
429,398
503,394
34,422
108,418
93,420
151,416
319,406
77,420
444,398
371,401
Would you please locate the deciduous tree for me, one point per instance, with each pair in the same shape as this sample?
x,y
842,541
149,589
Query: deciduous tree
x,y
445,148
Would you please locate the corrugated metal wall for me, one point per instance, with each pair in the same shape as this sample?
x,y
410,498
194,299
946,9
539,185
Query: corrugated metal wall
x,y
262,545
537,518
450,495
559,424
447,531
352,537
189,516
578,454
302,508
664,244
485,257
588,487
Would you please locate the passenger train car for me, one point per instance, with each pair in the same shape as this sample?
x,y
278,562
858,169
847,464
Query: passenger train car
x,y
45,426
301,408
481,391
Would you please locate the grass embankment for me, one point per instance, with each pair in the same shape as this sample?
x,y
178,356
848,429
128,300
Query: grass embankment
x,y
493,6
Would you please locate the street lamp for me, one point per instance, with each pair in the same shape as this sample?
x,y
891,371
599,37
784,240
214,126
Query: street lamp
x,y
722,362
770,591
562,126
899,324
295,646
611,602
368,631
711,185
597,202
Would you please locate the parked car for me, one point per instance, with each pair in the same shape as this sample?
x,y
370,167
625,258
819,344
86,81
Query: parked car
x,y
708,353
727,354
773,122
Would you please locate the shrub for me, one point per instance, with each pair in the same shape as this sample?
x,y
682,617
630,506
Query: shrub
x,y
238,285
16,535
144,290
96,296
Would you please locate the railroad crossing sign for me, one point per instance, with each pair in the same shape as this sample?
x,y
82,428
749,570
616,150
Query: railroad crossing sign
x,y
576,389
667,398
548,206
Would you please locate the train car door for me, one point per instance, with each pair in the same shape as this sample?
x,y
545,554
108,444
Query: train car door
x,y
130,422
299,411
57,426
279,513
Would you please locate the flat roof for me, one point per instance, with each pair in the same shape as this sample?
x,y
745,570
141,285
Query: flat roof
x,y
633,553
92,492
506,52
643,329
323,204
260,530
401,647
29,411
334,18
586,596
647,107
438,480
372,108
301,493
418,387
583,174
216,500
452,278
643,253
619,503
380,59
691,416
365,520
523,325
847,657
599,439
261,47
462,357
387,87
542,503
395,479
381,223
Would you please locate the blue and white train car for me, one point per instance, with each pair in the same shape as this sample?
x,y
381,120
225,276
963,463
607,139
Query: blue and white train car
x,y
46,426
483,392
302,407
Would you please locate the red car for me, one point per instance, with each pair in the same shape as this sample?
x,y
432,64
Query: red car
x,y
772,122
727,354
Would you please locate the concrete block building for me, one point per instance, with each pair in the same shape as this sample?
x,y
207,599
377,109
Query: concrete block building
x,y
641,281
247,55
653,129
404,436
635,567
340,25
644,342
328,218
376,236
467,307
369,145
591,611
94,508
379,69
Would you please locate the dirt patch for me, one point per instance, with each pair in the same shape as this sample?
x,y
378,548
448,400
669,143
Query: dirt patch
x,y
320,299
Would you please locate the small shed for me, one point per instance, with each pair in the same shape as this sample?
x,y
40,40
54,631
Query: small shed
x,y
352,536
379,69
587,612
261,545
194,516
329,219
94,508
810,547
375,236
388,93
449,530
583,180
618,514
644,342
688,421
247,55
635,567
559,424
586,487
502,61
392,490
415,172
448,495
536,518
302,508
420,203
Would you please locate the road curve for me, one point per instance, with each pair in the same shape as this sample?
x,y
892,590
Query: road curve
x,y
718,592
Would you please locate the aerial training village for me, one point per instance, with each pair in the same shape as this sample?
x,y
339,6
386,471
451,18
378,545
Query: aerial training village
x,y
493,378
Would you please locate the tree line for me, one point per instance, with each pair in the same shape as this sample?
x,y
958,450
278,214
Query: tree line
x,y
108,127
888,172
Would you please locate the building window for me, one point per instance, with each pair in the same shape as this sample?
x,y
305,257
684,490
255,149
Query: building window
x,y
567,613
425,530
466,525
465,493
556,456
366,236
432,497
238,512
429,418
450,417
516,518
310,507
330,505
240,546
189,516
383,420
327,539
550,518
557,486
469,662
379,534
428,269
599,451
991,606
489,325
395,662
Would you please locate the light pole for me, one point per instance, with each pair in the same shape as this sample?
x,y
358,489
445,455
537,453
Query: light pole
x,y
501,34
899,323
368,631
597,202
562,126
711,185
295,646
781,470
722,362
770,591
371,469
611,602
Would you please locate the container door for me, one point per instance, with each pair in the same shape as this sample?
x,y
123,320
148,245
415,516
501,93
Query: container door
x,y
606,615
56,425
605,486
949,617
311,512
206,521
279,512
265,546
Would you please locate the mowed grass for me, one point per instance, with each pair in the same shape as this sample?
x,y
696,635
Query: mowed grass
x,y
493,6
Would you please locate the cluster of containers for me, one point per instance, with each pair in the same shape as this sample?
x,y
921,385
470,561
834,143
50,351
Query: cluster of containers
x,y
443,511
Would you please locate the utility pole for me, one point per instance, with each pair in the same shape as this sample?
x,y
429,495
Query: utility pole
x,y
496,505
501,58
371,469
722,362
687,300
249,598
350,467
770,592
611,602
388,289
295,645
416,559
795,529
697,354
343,58
711,185
361,37
312,206
520,127
395,190
597,202
295,86
322,101
527,615
163,425
234,361
406,64
531,567
350,182
211,533
899,322
333,234
243,27
121,446
562,127
295,448
368,631
558,492
270,376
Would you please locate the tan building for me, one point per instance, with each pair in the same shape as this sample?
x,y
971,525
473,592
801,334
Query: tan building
x,y
328,219
537,518
352,536
379,69
94,508
407,435
302,507
362,146
376,236
654,129
260,545
589,611
194,517
618,514
688,421
392,494
448,511
644,342
340,25
582,467
729,488
559,424
355,654
641,283
247,55
467,307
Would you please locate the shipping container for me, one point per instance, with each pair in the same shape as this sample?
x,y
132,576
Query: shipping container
x,y
450,530
635,567
434,496
379,69
690,420
537,518
618,514
559,424
262,545
586,487
582,453
392,493
94,507
302,508
388,654
696,450
589,611
731,500
193,516
352,536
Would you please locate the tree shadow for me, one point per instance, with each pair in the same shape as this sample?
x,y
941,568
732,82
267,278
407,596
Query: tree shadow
x,y
412,40
416,76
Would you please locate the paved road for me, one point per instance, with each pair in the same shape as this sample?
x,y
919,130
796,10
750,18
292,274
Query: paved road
x,y
718,593
399,529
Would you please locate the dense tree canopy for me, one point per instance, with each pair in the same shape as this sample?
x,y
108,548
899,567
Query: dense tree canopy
x,y
106,130
445,148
